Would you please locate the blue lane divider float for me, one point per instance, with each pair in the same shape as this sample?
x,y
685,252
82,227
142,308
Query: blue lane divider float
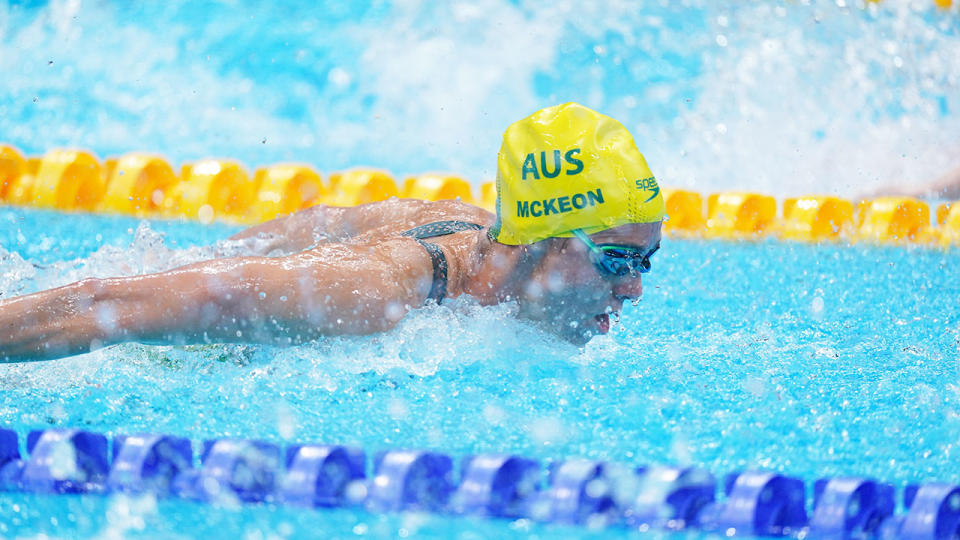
x,y
319,475
757,504
65,461
670,497
496,486
410,480
574,492
580,492
233,469
934,512
850,508
144,463
11,466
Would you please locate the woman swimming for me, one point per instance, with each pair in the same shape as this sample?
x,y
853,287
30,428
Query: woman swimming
x,y
579,215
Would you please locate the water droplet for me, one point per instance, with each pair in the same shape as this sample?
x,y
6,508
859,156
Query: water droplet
x,y
205,214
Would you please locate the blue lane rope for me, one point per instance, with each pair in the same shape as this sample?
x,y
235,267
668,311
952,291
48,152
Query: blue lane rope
x,y
576,491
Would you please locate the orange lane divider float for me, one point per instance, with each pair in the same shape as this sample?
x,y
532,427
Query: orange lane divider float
x,y
145,184
137,184
437,187
816,218
892,220
107,167
20,190
12,166
943,210
68,180
360,186
684,212
942,4
284,188
488,197
739,215
949,229
211,189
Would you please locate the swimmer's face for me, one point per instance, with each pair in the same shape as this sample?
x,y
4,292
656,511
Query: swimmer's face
x,y
571,296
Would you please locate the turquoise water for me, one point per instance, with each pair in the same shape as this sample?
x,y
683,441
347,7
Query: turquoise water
x,y
814,361
809,360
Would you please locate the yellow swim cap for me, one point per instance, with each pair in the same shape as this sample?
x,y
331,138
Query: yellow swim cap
x,y
568,167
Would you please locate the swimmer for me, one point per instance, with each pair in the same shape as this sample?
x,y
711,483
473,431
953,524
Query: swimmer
x,y
578,219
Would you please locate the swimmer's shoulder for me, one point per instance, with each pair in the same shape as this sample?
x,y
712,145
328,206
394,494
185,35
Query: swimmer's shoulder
x,y
422,207
396,216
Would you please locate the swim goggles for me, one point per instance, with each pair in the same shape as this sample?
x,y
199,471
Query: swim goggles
x,y
615,259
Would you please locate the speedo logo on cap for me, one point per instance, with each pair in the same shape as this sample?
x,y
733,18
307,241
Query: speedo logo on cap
x,y
559,205
648,184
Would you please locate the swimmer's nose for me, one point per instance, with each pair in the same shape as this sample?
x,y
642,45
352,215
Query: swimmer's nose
x,y
629,289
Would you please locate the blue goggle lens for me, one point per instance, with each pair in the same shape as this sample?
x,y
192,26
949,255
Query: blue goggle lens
x,y
621,260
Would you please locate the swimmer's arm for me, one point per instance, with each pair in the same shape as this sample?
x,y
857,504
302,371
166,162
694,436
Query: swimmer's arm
x,y
249,299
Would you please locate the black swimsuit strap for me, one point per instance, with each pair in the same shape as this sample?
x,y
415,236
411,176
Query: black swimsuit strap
x,y
441,228
438,290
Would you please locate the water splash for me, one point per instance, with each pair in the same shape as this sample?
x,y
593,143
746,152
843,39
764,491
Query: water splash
x,y
15,274
146,253
833,97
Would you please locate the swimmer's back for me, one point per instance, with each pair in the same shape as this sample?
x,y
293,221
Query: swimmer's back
x,y
435,239
394,217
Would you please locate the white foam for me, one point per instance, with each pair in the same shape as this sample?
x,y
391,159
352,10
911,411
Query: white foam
x,y
15,273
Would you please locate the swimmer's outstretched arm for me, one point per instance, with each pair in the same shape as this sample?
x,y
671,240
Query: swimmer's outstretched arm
x,y
332,290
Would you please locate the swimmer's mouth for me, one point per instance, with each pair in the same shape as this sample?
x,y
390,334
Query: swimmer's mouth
x,y
603,322
606,320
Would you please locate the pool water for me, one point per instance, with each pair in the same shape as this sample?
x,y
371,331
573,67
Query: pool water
x,y
808,360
